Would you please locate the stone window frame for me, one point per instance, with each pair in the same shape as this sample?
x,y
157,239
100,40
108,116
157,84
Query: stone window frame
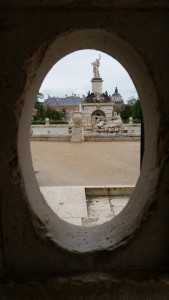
x,y
122,228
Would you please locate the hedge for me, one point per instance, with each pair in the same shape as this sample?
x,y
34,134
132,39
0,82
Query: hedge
x,y
50,122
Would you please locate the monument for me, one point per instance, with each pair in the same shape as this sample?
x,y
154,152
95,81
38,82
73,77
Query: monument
x,y
96,80
97,110
98,107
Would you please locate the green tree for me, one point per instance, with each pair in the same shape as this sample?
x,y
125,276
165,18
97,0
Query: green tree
x,y
52,114
131,101
126,112
40,114
63,113
131,109
118,110
40,96
137,112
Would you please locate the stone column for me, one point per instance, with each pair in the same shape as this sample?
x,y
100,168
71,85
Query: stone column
x,y
77,134
97,85
77,129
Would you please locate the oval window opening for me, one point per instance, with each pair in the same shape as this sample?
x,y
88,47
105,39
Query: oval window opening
x,y
85,138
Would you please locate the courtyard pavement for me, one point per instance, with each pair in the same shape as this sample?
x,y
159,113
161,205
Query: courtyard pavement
x,y
63,170
86,164
73,206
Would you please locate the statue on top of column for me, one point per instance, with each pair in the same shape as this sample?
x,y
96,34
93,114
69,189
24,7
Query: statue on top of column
x,y
96,65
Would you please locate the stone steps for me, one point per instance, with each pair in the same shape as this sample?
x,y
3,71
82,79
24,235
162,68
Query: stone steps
x,y
74,206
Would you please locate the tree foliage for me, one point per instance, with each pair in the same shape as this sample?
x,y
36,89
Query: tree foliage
x,y
40,114
131,109
47,112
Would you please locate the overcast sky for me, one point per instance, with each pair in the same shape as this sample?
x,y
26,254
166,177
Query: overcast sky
x,y
74,72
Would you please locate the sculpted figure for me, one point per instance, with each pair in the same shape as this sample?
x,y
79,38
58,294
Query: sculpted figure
x,y
96,65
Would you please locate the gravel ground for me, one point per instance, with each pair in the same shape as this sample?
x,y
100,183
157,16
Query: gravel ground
x,y
86,164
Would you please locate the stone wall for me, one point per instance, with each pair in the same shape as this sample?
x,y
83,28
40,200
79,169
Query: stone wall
x,y
120,259
89,109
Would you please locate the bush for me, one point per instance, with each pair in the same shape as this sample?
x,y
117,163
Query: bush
x,y
38,122
58,122
50,122
136,121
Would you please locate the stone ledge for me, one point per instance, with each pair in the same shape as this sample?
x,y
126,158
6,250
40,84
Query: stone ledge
x,y
109,191
92,137
88,286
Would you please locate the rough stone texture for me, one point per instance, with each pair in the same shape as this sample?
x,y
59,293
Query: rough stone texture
x,y
89,108
74,206
35,35
77,135
97,85
89,286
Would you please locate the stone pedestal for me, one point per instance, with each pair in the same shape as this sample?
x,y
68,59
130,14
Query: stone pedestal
x,y
47,122
131,121
97,85
77,135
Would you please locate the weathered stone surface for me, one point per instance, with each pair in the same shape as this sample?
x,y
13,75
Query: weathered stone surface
x,y
117,209
89,286
69,203
119,201
52,196
73,205
35,35
77,135
75,195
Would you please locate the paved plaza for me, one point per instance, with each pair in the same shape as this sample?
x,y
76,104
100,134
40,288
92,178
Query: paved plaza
x,y
86,164
63,170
